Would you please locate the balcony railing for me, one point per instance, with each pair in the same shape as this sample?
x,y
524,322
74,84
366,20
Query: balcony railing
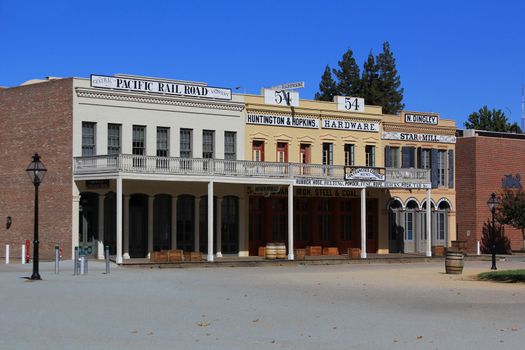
x,y
229,168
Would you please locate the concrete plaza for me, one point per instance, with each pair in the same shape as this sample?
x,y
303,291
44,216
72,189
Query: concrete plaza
x,y
355,306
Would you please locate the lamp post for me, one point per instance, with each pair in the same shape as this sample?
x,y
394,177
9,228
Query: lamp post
x,y
492,203
36,171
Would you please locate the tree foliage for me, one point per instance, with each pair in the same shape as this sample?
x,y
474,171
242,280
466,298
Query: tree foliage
x,y
491,120
379,84
501,242
511,210
349,80
327,87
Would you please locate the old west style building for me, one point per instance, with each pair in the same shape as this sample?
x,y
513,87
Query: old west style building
x,y
144,164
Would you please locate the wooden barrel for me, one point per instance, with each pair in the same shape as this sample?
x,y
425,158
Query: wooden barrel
x,y
271,251
454,263
280,250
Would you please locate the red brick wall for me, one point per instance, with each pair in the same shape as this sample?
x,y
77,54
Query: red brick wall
x,y
482,162
36,118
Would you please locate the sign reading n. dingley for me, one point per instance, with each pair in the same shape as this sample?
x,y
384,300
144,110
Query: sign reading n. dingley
x,y
409,136
349,125
279,120
160,87
421,118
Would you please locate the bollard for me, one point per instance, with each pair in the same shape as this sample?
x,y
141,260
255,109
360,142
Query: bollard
x,y
23,254
75,262
86,265
7,254
478,251
82,265
106,256
57,259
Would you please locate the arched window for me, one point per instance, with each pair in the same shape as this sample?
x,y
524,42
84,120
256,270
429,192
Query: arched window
x,y
186,222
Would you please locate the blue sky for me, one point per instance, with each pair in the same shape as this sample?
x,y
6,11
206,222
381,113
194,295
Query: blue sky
x,y
453,56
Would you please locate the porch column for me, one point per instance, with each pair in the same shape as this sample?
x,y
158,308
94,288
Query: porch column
x,y
210,221
100,248
150,224
119,220
219,227
197,243
363,223
429,226
290,222
174,222
126,227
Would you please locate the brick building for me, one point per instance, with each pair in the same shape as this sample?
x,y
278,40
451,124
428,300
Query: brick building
x,y
487,162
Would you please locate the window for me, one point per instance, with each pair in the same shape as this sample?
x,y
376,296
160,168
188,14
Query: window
x,y
370,155
425,159
328,154
304,156
441,225
442,167
409,234
88,139
163,148
230,145
302,219
185,143
113,138
258,151
208,144
282,152
346,220
394,157
139,145
349,154
325,219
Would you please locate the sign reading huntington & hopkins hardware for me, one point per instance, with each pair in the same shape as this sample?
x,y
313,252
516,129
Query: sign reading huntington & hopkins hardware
x,y
421,118
160,87
280,120
364,173
410,136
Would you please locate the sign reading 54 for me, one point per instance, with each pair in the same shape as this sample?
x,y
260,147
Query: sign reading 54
x,y
281,97
351,104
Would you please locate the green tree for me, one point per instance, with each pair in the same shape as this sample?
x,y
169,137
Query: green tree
x,y
327,87
501,242
349,80
490,120
389,81
371,91
511,210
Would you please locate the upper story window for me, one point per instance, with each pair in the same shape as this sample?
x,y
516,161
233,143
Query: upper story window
x,y
88,139
328,153
282,152
349,154
139,140
258,151
370,155
424,160
114,139
163,144
394,157
186,143
208,144
230,145
442,168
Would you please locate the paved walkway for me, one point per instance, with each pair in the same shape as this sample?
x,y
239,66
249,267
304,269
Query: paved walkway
x,y
372,306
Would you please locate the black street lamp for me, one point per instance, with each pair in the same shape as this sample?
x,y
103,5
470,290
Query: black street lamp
x,y
36,171
492,203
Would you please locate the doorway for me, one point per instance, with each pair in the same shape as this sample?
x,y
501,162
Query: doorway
x,y
230,225
138,226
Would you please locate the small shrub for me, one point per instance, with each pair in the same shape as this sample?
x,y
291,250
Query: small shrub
x,y
504,276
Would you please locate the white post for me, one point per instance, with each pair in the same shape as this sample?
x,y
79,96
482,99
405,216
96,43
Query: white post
x,y
242,236
290,222
7,254
429,226
23,254
119,220
197,238
150,224
219,227
478,248
126,228
363,223
210,221
100,248
174,222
